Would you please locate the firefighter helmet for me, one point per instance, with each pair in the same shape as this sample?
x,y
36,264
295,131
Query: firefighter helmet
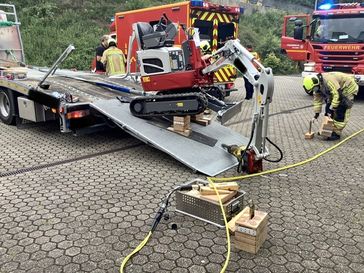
x,y
311,83
205,46
104,38
111,42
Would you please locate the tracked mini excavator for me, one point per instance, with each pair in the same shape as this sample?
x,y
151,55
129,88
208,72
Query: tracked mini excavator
x,y
174,74
180,78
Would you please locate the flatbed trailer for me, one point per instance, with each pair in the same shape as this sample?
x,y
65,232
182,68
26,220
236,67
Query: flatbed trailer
x,y
93,108
85,102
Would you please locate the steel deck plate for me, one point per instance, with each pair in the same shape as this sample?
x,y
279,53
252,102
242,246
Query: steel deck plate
x,y
194,154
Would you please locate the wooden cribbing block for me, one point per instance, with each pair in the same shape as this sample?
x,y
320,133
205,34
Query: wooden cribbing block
x,y
231,186
224,197
202,118
181,123
327,127
309,135
185,133
204,190
232,222
250,234
16,72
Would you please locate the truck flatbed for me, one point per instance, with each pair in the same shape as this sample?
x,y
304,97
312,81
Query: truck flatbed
x,y
202,151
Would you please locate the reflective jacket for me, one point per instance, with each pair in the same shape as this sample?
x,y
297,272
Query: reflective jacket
x,y
334,87
114,61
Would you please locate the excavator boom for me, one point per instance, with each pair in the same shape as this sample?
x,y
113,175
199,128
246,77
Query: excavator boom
x,y
233,53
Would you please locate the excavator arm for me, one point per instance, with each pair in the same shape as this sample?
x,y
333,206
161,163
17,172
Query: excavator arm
x,y
233,53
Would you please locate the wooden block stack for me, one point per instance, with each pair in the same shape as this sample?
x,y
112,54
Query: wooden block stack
x,y
327,127
14,72
250,234
181,125
227,191
203,118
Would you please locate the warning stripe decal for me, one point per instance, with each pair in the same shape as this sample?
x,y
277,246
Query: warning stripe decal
x,y
228,73
210,16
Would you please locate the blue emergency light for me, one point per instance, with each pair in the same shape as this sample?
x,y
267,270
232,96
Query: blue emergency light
x,y
196,3
326,6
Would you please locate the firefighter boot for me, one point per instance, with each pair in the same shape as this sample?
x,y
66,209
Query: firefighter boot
x,y
334,136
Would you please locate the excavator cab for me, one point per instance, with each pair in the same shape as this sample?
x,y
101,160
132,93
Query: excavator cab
x,y
156,53
160,35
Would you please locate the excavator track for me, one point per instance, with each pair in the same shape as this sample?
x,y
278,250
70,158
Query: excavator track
x,y
169,105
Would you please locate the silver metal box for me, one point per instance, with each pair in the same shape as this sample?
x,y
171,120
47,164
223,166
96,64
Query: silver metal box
x,y
30,110
208,211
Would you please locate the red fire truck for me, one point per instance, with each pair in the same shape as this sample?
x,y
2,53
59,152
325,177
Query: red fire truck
x,y
332,39
216,24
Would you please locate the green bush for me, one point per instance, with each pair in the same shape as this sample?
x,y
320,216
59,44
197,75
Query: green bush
x,y
263,32
49,26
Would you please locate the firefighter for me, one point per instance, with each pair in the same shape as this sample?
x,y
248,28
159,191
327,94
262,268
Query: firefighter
x,y
205,50
113,59
337,89
248,86
99,51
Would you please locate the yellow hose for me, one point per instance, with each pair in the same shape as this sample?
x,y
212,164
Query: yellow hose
x,y
136,250
229,179
226,226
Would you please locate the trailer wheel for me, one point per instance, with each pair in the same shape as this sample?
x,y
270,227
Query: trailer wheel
x,y
7,107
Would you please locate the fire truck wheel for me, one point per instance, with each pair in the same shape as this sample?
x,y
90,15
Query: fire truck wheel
x,y
7,107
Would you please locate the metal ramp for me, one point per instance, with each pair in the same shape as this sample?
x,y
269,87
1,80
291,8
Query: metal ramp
x,y
201,151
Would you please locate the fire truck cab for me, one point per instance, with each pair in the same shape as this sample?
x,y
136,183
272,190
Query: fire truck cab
x,y
332,39
216,24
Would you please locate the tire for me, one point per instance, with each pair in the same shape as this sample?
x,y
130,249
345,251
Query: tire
x,y
7,107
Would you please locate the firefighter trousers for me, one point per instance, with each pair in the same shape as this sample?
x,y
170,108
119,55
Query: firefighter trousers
x,y
342,113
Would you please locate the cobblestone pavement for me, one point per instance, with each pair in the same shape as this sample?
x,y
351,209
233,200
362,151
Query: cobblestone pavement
x,y
90,200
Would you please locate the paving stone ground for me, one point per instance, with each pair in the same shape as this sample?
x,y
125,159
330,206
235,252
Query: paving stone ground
x,y
85,216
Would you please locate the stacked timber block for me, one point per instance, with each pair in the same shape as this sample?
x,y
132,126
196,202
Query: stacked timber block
x,y
203,118
181,125
13,72
227,191
327,127
202,202
250,233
